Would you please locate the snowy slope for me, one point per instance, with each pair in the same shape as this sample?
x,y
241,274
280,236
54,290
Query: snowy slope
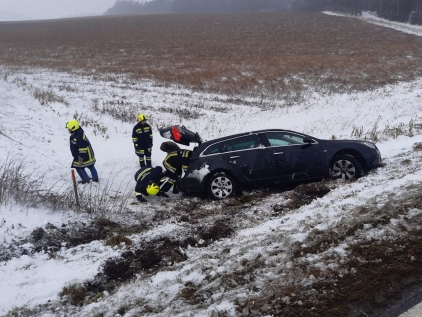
x,y
36,133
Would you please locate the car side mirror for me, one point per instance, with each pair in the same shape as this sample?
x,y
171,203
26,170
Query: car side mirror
x,y
308,140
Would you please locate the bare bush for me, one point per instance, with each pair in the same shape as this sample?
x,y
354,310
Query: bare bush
x,y
18,184
46,97
98,127
182,113
117,110
105,199
374,134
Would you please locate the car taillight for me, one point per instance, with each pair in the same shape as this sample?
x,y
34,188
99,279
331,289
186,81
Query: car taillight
x,y
177,135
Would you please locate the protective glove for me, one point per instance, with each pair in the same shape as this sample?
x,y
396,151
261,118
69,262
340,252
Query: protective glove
x,y
80,160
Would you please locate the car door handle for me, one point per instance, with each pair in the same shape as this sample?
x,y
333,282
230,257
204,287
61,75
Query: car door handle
x,y
234,157
278,153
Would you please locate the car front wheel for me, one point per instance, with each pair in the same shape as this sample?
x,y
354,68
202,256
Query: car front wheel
x,y
221,186
346,167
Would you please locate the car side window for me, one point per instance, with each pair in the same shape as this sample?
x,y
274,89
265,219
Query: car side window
x,y
214,149
284,138
242,143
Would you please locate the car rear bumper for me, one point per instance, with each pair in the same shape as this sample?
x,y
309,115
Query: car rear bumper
x,y
194,180
190,185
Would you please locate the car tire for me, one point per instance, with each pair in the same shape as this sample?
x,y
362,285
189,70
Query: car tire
x,y
221,186
346,167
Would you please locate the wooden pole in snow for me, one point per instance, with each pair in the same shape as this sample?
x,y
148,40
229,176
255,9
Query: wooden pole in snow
x,y
75,188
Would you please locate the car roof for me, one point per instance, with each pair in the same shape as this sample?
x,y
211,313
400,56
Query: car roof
x,y
227,137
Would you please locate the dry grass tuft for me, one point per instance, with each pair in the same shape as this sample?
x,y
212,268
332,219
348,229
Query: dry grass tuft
x,y
417,146
118,240
46,97
187,292
188,206
75,292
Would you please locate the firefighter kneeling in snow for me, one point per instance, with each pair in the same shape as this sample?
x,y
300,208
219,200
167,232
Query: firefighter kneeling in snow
x,y
175,163
148,183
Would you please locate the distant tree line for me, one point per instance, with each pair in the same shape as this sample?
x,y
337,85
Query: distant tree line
x,y
396,10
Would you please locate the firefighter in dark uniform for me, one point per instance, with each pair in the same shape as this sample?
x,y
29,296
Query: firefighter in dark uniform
x,y
175,163
142,140
148,183
82,152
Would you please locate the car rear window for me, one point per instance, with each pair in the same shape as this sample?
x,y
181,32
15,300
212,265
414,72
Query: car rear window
x,y
214,149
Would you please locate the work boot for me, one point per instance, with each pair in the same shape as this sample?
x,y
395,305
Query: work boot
x,y
84,181
141,199
95,180
162,194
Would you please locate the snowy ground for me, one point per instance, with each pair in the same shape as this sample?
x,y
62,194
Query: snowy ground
x,y
37,133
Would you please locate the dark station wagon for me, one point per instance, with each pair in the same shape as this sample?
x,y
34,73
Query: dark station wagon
x,y
223,166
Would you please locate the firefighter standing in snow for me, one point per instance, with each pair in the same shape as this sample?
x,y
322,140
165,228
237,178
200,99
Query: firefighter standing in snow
x,y
82,152
142,140
147,183
175,163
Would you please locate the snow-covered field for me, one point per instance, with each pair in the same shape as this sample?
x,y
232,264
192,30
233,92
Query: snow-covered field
x,y
36,133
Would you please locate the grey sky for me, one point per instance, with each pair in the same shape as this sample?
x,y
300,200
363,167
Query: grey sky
x,y
54,9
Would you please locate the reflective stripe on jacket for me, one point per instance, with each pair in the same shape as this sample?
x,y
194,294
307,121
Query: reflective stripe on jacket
x,y
142,136
81,147
176,162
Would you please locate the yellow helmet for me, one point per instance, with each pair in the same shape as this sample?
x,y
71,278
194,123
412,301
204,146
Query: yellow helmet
x,y
142,117
72,125
153,189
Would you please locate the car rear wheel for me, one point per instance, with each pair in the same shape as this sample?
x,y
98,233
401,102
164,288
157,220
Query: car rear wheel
x,y
346,167
220,186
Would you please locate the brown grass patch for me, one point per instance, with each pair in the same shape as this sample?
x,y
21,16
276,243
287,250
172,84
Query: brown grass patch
x,y
257,54
304,194
220,229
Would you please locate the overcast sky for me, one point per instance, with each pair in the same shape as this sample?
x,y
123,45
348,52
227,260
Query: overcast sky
x,y
53,9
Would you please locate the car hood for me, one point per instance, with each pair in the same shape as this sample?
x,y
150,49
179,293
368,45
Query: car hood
x,y
352,144
367,143
180,134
